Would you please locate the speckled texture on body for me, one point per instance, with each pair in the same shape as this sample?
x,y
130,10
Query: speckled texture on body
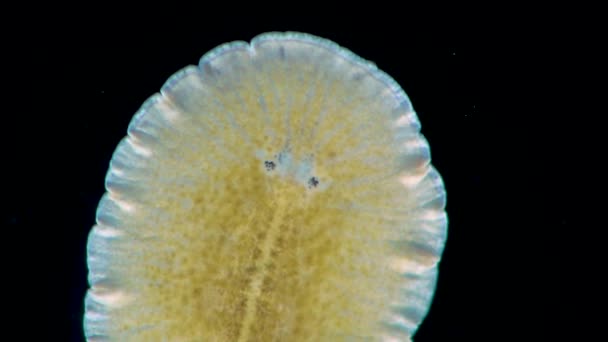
x,y
280,191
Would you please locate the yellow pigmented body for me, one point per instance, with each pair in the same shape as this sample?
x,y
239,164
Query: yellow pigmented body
x,y
280,191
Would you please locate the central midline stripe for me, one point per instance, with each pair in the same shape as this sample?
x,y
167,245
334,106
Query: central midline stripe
x,y
262,267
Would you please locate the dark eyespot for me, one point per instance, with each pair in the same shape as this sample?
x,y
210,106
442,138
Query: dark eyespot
x,y
269,165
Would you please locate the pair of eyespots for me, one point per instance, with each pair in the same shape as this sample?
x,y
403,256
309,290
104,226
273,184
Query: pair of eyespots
x,y
312,182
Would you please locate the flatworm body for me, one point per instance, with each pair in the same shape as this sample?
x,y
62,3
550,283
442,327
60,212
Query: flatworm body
x,y
278,191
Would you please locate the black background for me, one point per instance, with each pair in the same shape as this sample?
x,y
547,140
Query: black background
x,y
86,77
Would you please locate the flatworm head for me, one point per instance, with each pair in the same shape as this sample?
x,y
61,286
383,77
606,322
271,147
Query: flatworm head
x,y
278,191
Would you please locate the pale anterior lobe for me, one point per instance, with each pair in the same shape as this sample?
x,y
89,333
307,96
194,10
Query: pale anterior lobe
x,y
279,191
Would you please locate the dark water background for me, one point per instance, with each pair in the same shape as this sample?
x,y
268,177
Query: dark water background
x,y
469,82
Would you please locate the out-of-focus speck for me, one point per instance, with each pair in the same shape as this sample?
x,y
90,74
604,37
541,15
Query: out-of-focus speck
x,y
467,115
